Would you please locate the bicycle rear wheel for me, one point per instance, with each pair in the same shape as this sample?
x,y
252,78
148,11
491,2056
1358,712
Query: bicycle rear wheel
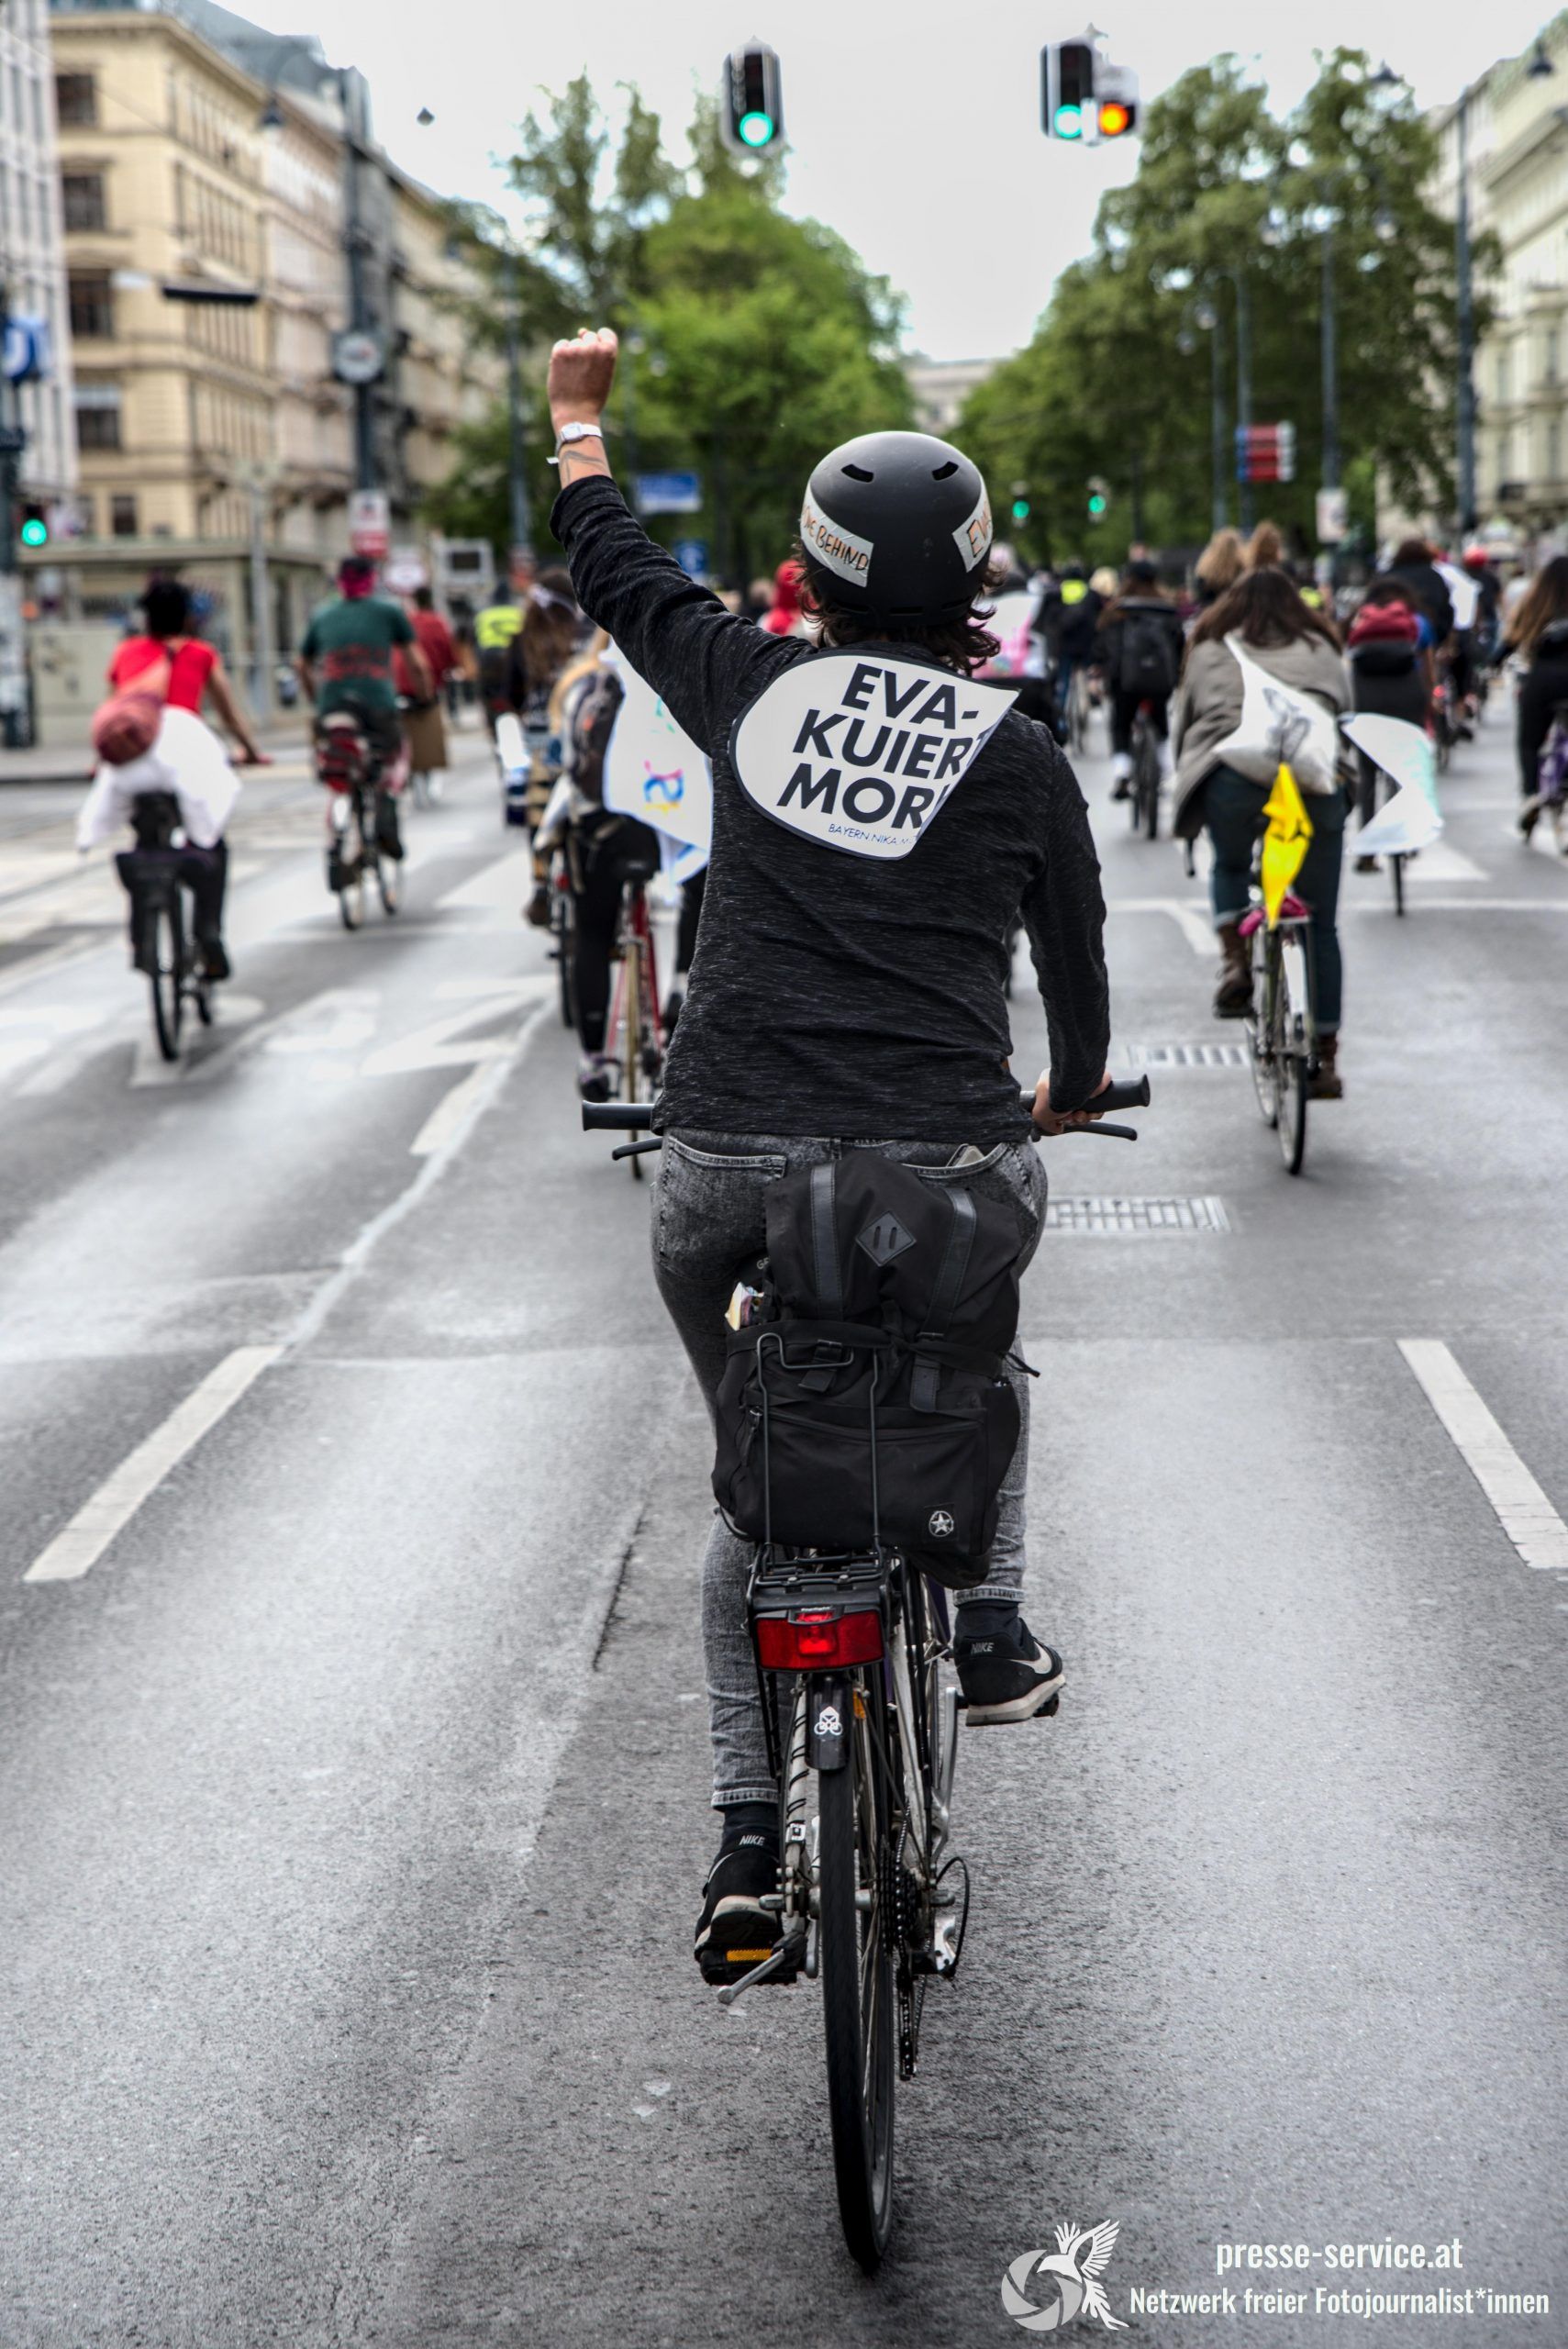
x,y
857,1865
163,928
1396,867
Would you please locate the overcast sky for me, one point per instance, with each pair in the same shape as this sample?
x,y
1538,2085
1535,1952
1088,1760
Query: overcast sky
x,y
913,129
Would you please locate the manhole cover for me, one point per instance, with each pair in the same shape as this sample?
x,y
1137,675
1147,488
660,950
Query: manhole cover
x,y
1188,1055
1136,1214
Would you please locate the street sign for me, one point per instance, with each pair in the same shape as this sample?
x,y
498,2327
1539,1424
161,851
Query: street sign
x,y
13,439
405,571
669,492
691,556
1334,516
27,351
369,523
358,355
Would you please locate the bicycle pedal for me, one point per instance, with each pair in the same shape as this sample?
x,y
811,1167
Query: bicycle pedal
x,y
782,1965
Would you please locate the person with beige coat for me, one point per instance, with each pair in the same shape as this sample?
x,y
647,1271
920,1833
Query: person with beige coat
x,y
1298,646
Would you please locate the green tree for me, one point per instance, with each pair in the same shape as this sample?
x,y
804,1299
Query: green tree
x,y
1117,379
752,342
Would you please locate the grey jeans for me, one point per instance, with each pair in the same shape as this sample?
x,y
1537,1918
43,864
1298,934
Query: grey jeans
x,y
709,1216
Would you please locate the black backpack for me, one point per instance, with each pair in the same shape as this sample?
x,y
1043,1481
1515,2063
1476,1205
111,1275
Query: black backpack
x,y
868,1398
1148,655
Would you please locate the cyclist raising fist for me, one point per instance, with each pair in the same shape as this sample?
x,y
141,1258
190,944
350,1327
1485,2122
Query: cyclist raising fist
x,y
878,823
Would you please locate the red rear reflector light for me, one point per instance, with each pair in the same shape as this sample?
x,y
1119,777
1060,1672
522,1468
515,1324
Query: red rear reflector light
x,y
813,1639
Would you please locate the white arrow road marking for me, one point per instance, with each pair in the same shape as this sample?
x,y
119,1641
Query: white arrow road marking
x,y
82,1543
1523,1512
435,1045
456,1111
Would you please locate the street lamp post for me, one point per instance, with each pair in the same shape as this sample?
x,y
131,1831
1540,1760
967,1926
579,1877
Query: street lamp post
x,y
1465,323
517,442
1206,317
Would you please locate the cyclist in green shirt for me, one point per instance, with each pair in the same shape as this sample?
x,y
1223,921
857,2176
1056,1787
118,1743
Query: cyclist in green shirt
x,y
345,664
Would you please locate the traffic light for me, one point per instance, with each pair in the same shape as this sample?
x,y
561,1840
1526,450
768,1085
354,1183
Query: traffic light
x,y
1099,498
1020,509
1116,97
35,526
1067,74
751,116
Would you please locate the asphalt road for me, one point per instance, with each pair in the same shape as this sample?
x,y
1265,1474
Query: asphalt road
x,y
355,1793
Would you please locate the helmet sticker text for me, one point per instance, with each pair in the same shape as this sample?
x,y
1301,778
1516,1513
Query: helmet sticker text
x,y
973,537
834,548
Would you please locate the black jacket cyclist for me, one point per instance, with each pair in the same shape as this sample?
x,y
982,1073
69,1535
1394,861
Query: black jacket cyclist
x,y
848,985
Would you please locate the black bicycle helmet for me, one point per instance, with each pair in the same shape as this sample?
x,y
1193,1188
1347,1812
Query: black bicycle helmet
x,y
897,526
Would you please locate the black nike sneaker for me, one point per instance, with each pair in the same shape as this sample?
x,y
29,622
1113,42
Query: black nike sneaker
x,y
1004,1672
735,1932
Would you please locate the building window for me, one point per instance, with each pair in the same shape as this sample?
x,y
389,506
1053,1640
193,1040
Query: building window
x,y
1554,451
92,306
76,100
83,192
122,515
97,413
1502,375
1551,354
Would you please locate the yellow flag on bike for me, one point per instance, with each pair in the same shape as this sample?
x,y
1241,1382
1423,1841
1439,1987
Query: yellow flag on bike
x,y
1284,843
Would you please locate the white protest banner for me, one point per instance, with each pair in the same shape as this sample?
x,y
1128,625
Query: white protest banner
x,y
657,773
862,751
1412,819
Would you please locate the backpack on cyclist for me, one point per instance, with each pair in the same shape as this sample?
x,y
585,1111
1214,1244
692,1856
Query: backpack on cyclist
x,y
869,1398
1147,665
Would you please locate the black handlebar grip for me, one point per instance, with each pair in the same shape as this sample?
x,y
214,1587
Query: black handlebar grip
x,y
617,1116
1132,1095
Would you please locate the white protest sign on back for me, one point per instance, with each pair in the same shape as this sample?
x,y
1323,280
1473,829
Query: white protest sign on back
x,y
1412,819
657,773
862,751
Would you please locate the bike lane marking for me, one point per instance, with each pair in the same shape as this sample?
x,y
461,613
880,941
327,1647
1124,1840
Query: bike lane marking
x,y
80,1544
1522,1510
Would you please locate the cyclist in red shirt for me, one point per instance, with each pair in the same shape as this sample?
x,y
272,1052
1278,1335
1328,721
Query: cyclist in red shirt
x,y
195,670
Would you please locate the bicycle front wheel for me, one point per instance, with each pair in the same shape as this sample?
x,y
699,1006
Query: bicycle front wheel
x,y
856,1864
1396,867
1294,1050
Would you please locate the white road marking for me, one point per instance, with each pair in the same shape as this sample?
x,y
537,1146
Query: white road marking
x,y
1443,862
450,1111
1190,915
1524,1514
433,1045
82,1543
509,881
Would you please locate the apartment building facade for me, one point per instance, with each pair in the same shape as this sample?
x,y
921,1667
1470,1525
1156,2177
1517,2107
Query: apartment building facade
x,y
32,252
227,213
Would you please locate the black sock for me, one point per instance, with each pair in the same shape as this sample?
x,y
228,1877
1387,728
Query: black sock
x,y
743,1819
981,1619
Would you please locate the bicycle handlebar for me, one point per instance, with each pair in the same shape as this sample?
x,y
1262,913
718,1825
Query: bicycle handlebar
x,y
617,1116
1131,1095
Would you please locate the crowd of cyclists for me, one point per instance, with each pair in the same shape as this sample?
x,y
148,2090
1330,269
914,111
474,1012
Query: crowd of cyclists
x,y
1420,639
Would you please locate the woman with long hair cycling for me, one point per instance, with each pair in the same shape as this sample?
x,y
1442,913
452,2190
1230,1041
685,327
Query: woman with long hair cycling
x,y
1297,645
1538,634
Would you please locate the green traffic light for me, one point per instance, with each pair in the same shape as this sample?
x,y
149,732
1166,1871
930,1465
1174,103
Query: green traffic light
x,y
1070,122
34,532
1096,505
755,129
1020,509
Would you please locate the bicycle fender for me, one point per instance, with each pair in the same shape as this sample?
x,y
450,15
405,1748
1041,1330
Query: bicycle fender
x,y
828,1722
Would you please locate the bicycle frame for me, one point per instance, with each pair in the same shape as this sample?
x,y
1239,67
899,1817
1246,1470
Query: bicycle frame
x,y
635,1026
